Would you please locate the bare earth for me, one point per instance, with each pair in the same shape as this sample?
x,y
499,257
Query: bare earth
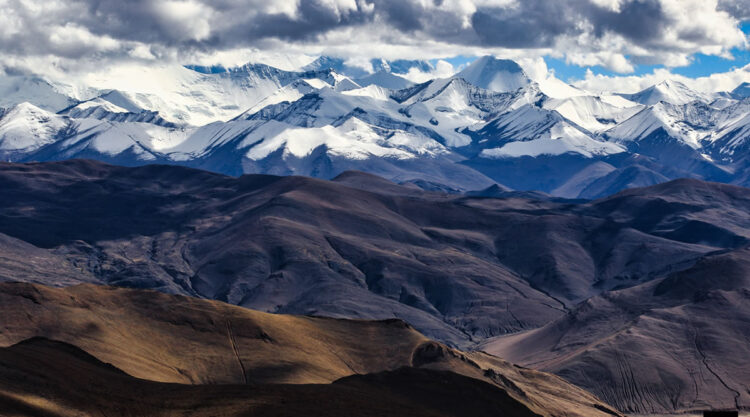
x,y
91,349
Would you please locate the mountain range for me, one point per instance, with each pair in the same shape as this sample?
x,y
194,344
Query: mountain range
x,y
640,298
403,235
489,124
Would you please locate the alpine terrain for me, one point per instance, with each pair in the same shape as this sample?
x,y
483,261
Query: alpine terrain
x,y
488,124
375,208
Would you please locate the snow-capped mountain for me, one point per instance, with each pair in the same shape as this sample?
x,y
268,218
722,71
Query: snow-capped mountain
x,y
17,89
742,91
543,132
685,123
668,91
185,96
113,106
490,123
730,141
594,113
385,79
25,128
501,75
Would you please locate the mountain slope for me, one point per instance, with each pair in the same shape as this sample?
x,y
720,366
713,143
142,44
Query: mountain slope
x,y
354,261
742,91
387,365
420,392
544,132
46,95
386,80
670,91
493,74
593,113
26,128
674,136
458,268
114,106
318,121
402,392
686,123
672,345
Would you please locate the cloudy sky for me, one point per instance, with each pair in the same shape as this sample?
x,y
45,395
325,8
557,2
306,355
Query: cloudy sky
x,y
586,41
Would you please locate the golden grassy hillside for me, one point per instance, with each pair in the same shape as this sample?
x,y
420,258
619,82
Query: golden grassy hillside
x,y
162,338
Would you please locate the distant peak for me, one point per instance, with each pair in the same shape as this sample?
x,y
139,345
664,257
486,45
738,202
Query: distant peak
x,y
26,107
671,84
500,75
497,64
325,63
668,90
742,90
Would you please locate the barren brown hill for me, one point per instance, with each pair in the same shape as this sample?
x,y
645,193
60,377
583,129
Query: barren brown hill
x,y
182,340
676,344
458,268
39,377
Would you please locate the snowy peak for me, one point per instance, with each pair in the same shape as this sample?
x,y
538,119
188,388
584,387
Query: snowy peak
x,y
500,75
670,91
324,62
120,100
353,139
686,123
556,88
456,95
451,105
26,127
114,106
593,113
342,82
460,131
532,131
385,79
32,89
742,91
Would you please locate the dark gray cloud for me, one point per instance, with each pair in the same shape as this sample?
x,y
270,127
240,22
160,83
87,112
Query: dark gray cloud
x,y
740,9
233,23
642,21
312,19
108,28
509,27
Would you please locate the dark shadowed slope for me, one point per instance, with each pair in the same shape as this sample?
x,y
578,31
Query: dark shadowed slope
x,y
674,344
39,377
458,268
190,345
